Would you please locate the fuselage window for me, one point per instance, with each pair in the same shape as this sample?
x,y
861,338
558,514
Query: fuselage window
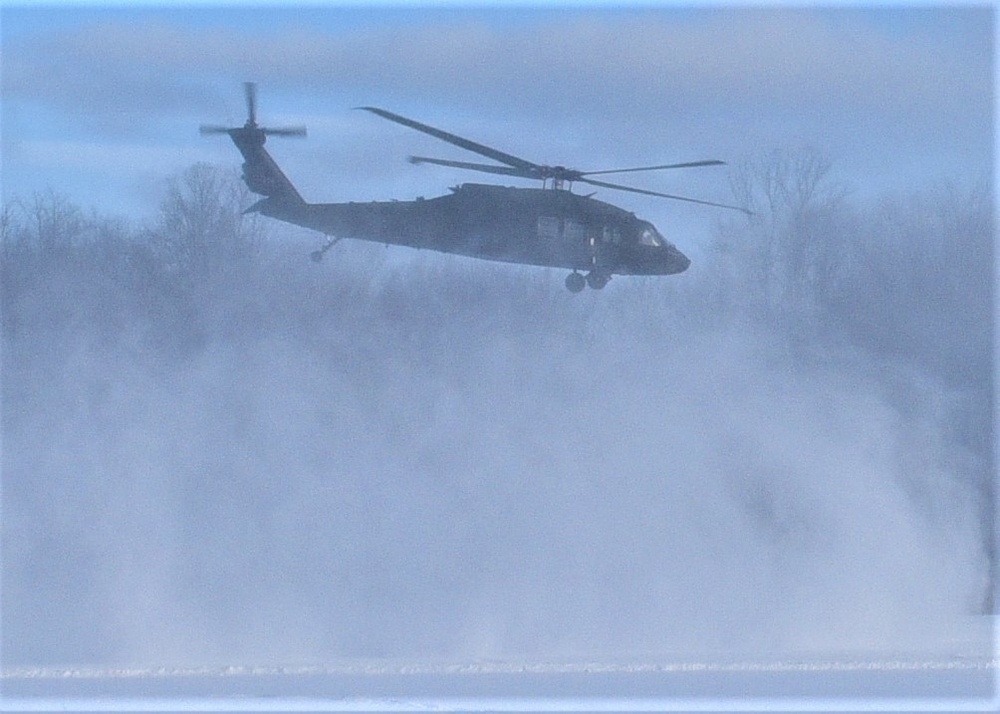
x,y
611,234
574,231
556,228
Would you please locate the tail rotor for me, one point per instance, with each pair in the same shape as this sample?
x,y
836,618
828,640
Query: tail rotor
x,y
250,91
251,129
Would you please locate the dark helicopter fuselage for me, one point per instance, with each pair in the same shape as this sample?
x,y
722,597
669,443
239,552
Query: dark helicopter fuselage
x,y
544,227
530,226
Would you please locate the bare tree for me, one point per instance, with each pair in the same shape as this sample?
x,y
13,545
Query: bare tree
x,y
11,230
58,224
202,233
920,282
783,258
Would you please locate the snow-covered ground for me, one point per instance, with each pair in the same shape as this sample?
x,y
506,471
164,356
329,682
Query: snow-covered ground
x,y
834,686
961,676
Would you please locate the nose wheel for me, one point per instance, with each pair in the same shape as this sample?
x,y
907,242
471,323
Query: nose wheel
x,y
596,279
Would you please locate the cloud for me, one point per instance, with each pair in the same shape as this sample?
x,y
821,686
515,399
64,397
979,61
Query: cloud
x,y
591,89
746,59
111,156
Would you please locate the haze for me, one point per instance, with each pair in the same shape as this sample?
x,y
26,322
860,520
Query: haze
x,y
215,451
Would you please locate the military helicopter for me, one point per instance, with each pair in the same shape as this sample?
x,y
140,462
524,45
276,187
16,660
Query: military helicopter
x,y
549,226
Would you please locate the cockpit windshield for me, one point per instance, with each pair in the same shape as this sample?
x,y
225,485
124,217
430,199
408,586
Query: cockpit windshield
x,y
651,237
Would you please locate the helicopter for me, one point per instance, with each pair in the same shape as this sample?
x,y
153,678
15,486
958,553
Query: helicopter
x,y
549,226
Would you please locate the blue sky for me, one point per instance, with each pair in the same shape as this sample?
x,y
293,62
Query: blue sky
x,y
102,102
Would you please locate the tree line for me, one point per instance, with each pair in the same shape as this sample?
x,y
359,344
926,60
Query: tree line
x,y
904,282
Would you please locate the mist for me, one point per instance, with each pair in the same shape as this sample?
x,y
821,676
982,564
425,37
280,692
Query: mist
x,y
237,456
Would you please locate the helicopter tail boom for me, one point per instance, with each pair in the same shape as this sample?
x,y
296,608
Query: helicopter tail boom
x,y
260,172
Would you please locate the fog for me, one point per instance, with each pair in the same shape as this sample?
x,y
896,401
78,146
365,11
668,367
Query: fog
x,y
238,456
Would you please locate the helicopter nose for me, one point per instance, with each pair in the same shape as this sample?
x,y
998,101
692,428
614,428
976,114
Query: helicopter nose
x,y
655,260
683,262
675,261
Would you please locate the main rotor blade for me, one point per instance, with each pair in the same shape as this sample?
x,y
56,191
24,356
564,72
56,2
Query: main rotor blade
x,y
286,131
486,168
688,165
458,141
250,91
207,129
619,187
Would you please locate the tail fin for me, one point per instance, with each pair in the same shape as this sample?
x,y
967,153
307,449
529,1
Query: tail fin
x,y
260,172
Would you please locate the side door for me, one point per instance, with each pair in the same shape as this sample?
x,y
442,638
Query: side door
x,y
564,240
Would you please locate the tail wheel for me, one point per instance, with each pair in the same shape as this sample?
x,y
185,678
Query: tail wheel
x,y
317,255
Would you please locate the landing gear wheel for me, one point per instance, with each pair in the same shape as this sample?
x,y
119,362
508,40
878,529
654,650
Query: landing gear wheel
x,y
597,279
575,282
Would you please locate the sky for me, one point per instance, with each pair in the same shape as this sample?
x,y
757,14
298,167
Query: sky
x,y
102,102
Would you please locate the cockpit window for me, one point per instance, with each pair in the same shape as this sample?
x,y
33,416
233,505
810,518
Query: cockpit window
x,y
651,237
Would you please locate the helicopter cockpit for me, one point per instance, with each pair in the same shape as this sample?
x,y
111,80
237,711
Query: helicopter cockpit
x,y
650,236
